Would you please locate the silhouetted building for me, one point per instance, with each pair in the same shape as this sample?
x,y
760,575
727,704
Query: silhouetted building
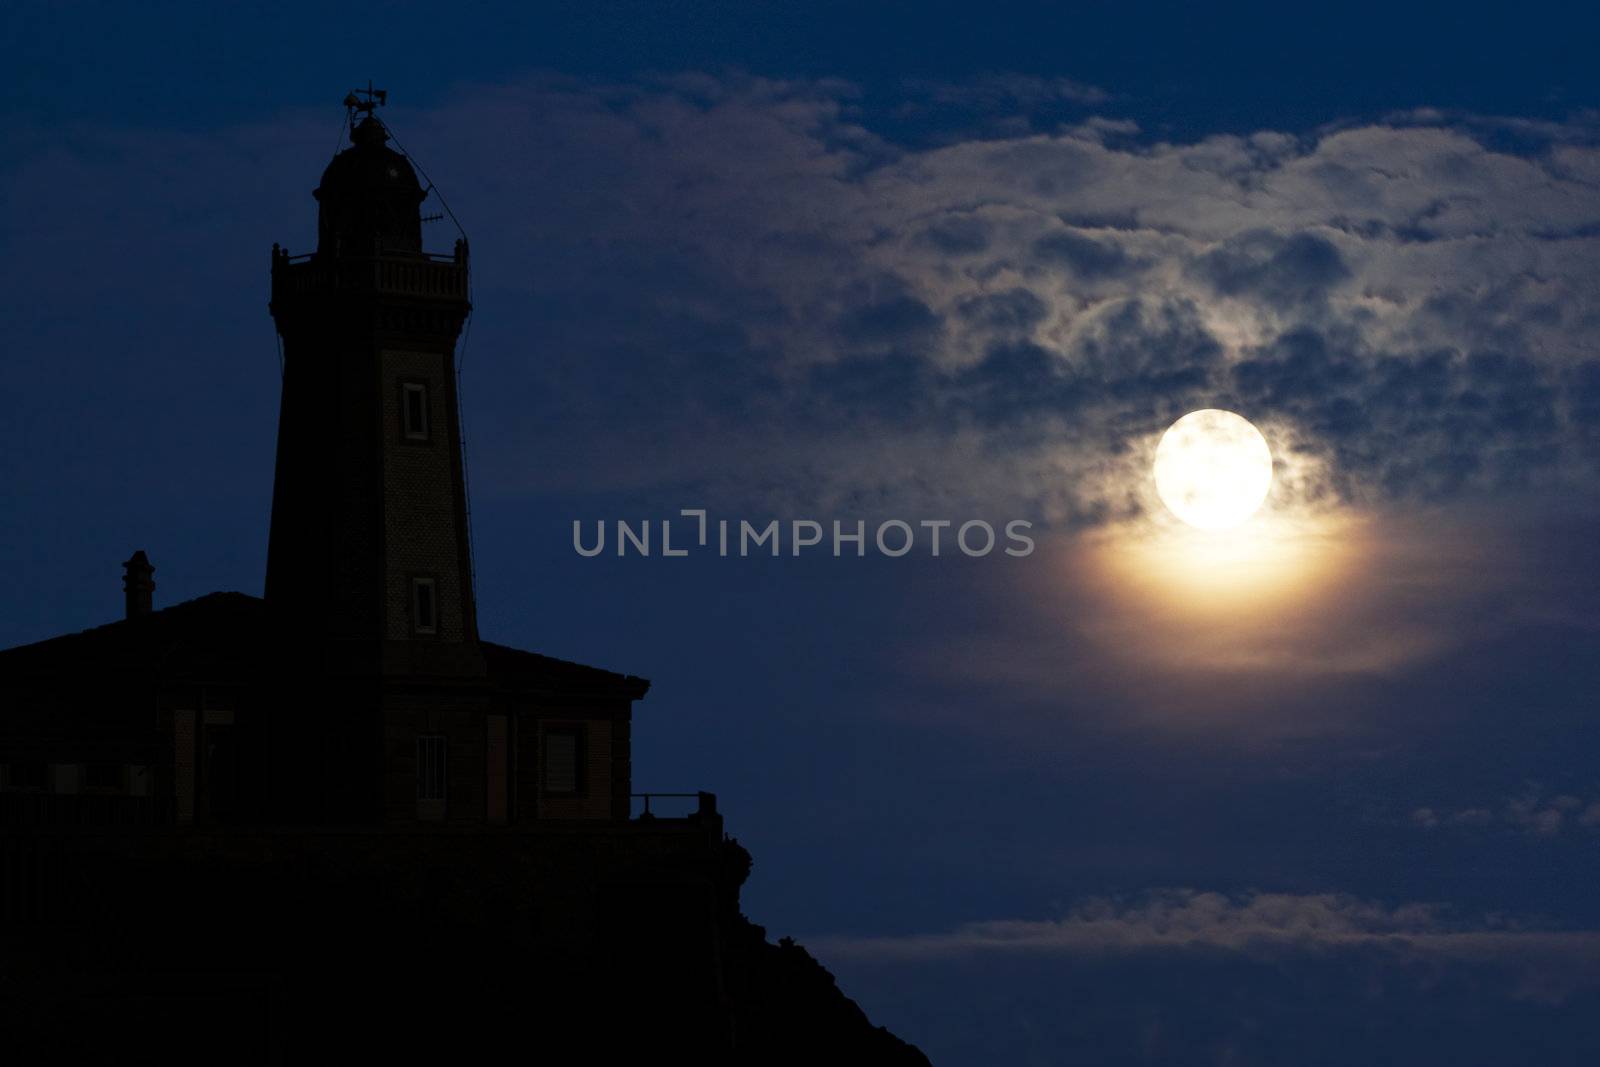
x,y
357,691
333,822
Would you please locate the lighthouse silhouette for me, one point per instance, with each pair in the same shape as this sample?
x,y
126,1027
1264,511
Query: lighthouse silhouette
x,y
333,821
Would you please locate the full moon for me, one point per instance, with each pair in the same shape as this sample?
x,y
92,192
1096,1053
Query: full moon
x,y
1213,469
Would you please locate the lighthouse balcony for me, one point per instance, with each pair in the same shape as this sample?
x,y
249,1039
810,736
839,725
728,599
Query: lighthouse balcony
x,y
408,274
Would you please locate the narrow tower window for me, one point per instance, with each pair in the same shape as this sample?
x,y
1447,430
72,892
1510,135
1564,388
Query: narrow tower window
x,y
414,411
430,767
424,609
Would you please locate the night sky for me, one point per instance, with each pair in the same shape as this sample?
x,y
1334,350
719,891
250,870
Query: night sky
x,y
1323,791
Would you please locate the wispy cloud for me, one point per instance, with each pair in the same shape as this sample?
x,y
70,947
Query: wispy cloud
x,y
1548,963
1532,813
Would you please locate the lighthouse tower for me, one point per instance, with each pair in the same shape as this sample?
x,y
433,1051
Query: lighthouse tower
x,y
368,550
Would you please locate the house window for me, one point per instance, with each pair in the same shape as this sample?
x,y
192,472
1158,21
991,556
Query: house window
x,y
424,606
414,411
27,774
430,767
563,762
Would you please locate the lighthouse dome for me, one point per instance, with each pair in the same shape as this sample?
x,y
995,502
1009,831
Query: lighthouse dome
x,y
369,199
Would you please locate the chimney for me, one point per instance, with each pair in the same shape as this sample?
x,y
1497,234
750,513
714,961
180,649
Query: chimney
x,y
138,584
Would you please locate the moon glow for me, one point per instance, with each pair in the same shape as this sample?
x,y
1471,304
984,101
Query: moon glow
x,y
1213,469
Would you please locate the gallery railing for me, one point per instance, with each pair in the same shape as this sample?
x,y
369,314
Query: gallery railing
x,y
423,274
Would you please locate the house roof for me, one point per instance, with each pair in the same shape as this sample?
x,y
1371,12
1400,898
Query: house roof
x,y
218,629
230,634
513,666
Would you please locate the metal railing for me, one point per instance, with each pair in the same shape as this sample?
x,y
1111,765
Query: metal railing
x,y
27,808
706,802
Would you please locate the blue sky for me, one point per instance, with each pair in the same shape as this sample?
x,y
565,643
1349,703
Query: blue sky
x,y
1237,66
930,261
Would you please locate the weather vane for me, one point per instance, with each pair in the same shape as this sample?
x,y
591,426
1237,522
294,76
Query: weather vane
x,y
368,99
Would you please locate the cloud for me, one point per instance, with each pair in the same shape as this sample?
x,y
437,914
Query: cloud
x,y
1413,304
1280,271
957,235
745,286
1085,257
1548,964
891,321
1531,813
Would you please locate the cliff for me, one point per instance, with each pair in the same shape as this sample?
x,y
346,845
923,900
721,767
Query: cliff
x,y
616,943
